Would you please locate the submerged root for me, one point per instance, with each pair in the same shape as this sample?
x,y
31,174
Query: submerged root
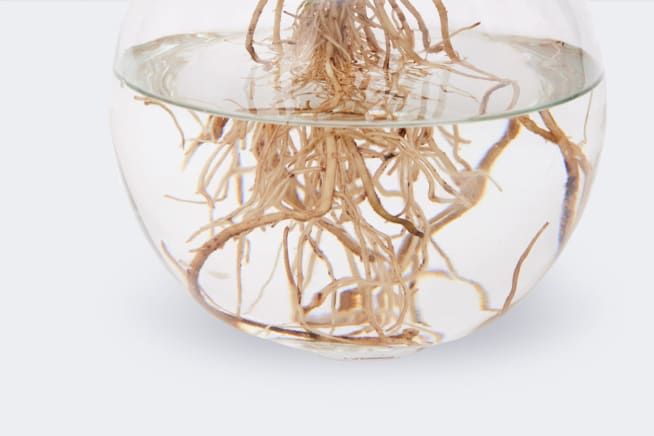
x,y
577,167
516,274
316,182
320,180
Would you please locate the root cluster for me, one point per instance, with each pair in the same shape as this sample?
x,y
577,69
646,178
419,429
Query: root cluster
x,y
356,58
318,182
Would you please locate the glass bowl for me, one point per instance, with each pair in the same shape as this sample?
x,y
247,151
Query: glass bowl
x,y
358,178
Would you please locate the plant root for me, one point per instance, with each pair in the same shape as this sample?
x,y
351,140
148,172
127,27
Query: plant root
x,y
315,184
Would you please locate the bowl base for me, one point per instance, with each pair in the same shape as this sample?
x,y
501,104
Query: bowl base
x,y
351,352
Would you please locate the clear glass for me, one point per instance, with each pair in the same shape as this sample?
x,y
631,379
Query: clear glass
x,y
362,179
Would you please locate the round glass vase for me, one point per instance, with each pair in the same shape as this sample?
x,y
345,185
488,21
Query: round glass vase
x,y
362,179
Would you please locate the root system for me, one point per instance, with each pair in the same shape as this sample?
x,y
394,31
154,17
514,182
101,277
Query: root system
x,y
318,182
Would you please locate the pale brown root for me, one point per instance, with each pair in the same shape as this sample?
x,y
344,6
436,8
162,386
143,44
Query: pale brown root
x,y
516,273
249,39
440,46
405,338
278,24
222,238
483,109
445,31
576,166
535,128
454,274
456,144
372,196
426,38
474,192
572,166
152,102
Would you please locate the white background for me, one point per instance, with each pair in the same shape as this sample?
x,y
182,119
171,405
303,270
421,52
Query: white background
x,y
96,338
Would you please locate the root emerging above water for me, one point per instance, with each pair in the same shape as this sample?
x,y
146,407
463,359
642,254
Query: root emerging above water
x,y
316,182
338,52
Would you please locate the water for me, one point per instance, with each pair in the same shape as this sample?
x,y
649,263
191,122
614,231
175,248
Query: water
x,y
213,73
366,230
